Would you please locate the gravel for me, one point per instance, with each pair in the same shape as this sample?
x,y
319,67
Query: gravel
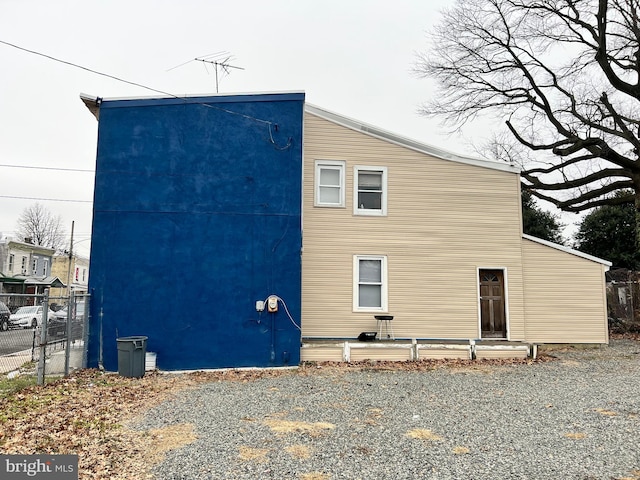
x,y
575,417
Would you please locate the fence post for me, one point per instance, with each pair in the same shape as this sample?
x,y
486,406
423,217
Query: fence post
x,y
71,309
43,336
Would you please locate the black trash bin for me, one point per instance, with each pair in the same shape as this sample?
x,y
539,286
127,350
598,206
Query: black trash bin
x,y
131,356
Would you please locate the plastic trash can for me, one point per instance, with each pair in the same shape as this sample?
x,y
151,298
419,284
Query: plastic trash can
x,y
131,356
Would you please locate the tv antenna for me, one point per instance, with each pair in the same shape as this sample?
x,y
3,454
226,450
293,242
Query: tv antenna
x,y
221,62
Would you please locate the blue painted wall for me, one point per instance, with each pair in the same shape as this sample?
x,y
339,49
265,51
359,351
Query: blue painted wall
x,y
197,214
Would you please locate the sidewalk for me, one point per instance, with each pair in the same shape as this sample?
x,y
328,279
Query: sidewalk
x,y
54,361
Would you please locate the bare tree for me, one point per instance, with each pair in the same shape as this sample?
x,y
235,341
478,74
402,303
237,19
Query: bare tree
x,y
44,228
564,76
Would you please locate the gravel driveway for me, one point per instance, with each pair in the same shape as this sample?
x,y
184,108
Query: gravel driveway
x,y
576,417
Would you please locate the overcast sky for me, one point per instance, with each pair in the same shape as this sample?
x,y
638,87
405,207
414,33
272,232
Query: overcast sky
x,y
353,57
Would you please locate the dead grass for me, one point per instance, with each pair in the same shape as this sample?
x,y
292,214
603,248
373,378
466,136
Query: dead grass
x,y
292,426
576,436
608,413
299,451
423,434
249,454
460,450
314,476
169,438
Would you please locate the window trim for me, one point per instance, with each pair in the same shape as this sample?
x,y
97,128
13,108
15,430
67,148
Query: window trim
x,y
384,291
339,165
12,261
383,201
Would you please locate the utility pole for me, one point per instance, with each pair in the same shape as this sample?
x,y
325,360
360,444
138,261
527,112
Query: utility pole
x,y
70,260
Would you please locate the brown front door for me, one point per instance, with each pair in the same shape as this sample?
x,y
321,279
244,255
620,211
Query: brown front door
x,y
492,312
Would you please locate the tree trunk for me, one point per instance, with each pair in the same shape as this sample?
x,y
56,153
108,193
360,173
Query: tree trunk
x,y
637,204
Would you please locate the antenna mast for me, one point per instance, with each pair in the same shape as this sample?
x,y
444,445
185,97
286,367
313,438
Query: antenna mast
x,y
221,63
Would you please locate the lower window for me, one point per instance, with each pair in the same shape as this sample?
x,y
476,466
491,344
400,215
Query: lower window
x,y
370,283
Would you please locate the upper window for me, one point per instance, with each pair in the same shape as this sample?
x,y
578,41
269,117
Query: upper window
x,y
34,266
11,260
370,283
45,267
329,183
370,191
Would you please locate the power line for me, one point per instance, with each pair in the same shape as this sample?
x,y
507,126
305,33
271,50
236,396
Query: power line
x,y
48,168
47,199
113,77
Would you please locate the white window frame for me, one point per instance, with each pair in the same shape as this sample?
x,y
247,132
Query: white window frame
x,y
24,265
382,212
12,259
34,266
384,301
338,165
45,267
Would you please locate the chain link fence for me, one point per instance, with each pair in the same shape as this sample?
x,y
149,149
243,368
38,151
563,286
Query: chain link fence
x,y
43,336
623,300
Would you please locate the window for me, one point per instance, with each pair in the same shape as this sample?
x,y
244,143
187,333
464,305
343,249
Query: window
x,y
370,191
34,266
11,260
45,267
329,183
24,265
370,283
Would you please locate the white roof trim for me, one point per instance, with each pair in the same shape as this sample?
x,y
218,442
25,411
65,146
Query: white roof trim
x,y
562,248
407,142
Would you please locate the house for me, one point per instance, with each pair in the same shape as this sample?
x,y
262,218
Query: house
x,y
201,202
74,271
435,239
197,208
25,268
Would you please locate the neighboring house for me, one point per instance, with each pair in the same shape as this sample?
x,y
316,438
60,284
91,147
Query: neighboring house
x,y
24,258
196,217
213,187
25,268
74,271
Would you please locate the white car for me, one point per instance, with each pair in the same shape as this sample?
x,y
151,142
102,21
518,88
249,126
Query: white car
x,y
27,317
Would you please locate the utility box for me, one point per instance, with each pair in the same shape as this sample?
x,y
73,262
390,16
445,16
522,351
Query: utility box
x,y
131,356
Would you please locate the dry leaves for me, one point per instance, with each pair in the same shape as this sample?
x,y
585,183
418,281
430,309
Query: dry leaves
x,y
87,414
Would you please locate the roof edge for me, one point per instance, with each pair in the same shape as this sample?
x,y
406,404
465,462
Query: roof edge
x,y
93,103
562,248
407,142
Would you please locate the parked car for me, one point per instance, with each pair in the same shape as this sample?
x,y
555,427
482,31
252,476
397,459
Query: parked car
x,y
78,314
27,317
57,326
5,313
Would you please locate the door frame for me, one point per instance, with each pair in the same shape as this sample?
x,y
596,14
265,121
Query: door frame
x,y
506,301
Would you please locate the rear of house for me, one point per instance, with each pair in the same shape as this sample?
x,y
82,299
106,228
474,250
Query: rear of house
x,y
395,228
200,208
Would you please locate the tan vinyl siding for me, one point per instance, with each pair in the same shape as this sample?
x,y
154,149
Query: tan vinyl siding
x,y
441,353
382,354
565,298
322,354
445,220
501,353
